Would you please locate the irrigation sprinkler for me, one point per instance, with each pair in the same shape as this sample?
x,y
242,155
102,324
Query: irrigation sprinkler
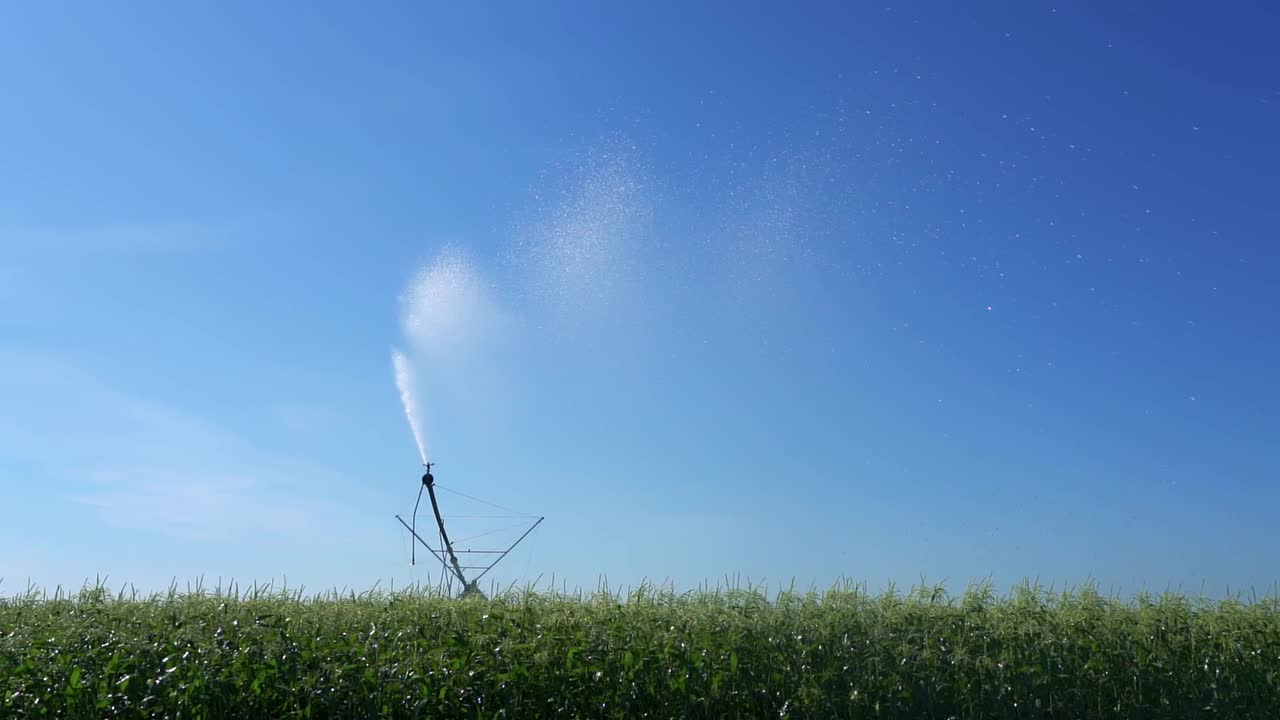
x,y
477,560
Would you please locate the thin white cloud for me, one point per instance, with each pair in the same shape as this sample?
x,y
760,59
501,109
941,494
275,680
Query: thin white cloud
x,y
11,277
22,560
127,239
142,464
305,418
58,405
194,504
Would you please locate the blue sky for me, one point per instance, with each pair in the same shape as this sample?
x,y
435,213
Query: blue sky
x,y
884,292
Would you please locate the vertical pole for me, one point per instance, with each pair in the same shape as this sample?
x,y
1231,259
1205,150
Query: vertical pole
x,y
430,482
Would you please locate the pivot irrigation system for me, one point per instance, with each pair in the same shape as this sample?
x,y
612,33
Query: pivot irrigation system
x,y
475,562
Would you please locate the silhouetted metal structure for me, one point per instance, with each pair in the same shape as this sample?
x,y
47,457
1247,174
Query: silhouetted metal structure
x,y
451,567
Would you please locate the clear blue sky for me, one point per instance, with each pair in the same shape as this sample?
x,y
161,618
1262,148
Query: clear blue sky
x,y
911,289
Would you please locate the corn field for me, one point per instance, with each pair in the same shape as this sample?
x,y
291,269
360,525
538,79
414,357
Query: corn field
x,y
843,653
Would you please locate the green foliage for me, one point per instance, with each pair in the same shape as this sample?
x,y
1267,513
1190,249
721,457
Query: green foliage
x,y
655,654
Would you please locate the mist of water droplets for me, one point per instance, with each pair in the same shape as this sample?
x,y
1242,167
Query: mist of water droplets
x,y
404,383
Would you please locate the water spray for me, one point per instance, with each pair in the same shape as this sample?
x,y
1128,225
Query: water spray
x,y
404,383
446,313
